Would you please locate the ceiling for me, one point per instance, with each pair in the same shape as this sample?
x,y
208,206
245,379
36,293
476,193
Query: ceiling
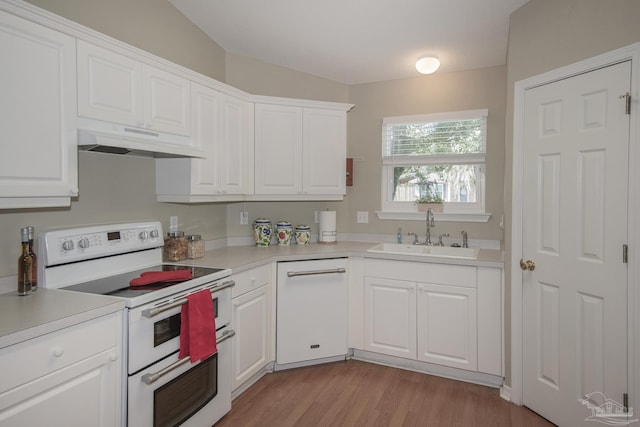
x,y
358,41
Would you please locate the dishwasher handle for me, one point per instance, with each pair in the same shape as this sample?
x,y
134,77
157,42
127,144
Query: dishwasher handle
x,y
315,272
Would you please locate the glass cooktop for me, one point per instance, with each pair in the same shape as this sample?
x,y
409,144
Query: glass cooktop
x,y
118,285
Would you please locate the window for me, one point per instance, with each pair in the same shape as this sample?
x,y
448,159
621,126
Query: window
x,y
439,154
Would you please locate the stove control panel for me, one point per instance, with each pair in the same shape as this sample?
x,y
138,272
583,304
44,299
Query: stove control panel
x,y
79,244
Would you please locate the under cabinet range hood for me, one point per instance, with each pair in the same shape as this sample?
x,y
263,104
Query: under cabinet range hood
x,y
113,138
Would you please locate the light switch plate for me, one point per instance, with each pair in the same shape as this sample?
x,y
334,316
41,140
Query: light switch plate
x,y
244,218
173,224
362,217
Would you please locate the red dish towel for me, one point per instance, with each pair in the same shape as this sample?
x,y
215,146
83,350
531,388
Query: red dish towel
x,y
148,277
198,327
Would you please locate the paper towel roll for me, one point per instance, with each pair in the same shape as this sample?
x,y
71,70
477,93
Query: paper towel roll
x,y
327,227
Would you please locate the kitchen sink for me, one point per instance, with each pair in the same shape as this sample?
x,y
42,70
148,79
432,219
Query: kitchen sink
x,y
421,250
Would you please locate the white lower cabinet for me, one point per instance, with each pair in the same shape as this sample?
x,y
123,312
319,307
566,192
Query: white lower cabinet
x,y
447,326
252,321
443,314
390,317
70,378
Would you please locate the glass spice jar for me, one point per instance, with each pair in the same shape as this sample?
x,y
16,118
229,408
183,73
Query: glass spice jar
x,y
175,246
195,246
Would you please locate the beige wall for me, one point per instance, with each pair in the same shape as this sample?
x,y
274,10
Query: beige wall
x,y
474,89
548,34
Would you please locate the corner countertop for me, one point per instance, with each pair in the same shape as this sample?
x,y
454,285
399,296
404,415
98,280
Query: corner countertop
x,y
240,258
49,310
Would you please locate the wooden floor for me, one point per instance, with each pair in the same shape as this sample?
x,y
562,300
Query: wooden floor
x,y
354,393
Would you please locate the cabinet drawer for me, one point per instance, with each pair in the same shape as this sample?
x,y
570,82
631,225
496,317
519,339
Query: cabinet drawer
x,y
424,272
43,355
251,279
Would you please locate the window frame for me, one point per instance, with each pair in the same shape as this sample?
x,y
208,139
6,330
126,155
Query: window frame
x,y
455,211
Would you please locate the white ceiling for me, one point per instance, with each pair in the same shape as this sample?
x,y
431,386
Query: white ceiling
x,y
358,41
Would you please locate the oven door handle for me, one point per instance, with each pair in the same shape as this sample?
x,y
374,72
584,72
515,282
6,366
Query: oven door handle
x,y
151,377
150,312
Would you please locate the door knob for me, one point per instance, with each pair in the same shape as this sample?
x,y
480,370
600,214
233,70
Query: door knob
x,y
527,265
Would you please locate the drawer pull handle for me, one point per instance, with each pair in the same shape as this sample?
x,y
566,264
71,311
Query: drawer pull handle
x,y
58,351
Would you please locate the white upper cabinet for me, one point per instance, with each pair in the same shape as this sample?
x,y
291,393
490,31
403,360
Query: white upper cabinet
x,y
115,88
220,127
300,151
278,149
324,135
109,86
38,158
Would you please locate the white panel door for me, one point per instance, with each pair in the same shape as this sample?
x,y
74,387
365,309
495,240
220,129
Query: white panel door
x,y
167,101
447,327
278,149
251,322
109,86
37,115
324,151
575,225
390,317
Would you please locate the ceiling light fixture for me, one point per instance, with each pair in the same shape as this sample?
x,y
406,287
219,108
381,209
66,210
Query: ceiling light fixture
x,y
427,65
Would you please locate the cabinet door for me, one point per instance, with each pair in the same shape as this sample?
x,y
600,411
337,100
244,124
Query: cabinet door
x,y
84,394
251,320
278,149
390,317
324,151
234,164
109,86
38,121
166,98
205,124
447,326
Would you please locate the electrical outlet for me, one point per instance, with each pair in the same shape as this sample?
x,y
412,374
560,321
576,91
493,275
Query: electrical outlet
x,y
173,223
244,218
362,217
316,217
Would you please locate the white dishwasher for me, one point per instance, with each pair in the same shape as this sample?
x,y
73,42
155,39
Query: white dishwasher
x,y
311,312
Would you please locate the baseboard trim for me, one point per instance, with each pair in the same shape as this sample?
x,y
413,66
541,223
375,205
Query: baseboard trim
x,y
430,368
505,392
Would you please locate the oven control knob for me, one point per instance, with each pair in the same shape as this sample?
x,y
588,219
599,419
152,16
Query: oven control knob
x,y
67,245
154,234
144,235
84,243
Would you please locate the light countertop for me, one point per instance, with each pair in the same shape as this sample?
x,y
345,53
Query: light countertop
x,y
48,310
240,258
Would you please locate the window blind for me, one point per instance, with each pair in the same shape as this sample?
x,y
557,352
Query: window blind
x,y
449,138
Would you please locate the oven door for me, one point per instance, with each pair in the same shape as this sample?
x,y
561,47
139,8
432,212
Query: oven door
x,y
177,392
154,329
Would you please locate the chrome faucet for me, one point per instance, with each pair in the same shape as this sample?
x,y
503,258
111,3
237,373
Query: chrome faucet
x,y
430,222
465,239
440,239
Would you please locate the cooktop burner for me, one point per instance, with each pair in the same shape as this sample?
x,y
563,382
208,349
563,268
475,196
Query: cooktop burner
x,y
118,285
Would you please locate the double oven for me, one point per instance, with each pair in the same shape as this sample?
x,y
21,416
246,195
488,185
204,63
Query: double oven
x,y
160,389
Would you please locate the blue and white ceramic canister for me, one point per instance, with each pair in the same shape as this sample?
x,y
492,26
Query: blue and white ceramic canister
x,y
262,231
303,234
284,233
